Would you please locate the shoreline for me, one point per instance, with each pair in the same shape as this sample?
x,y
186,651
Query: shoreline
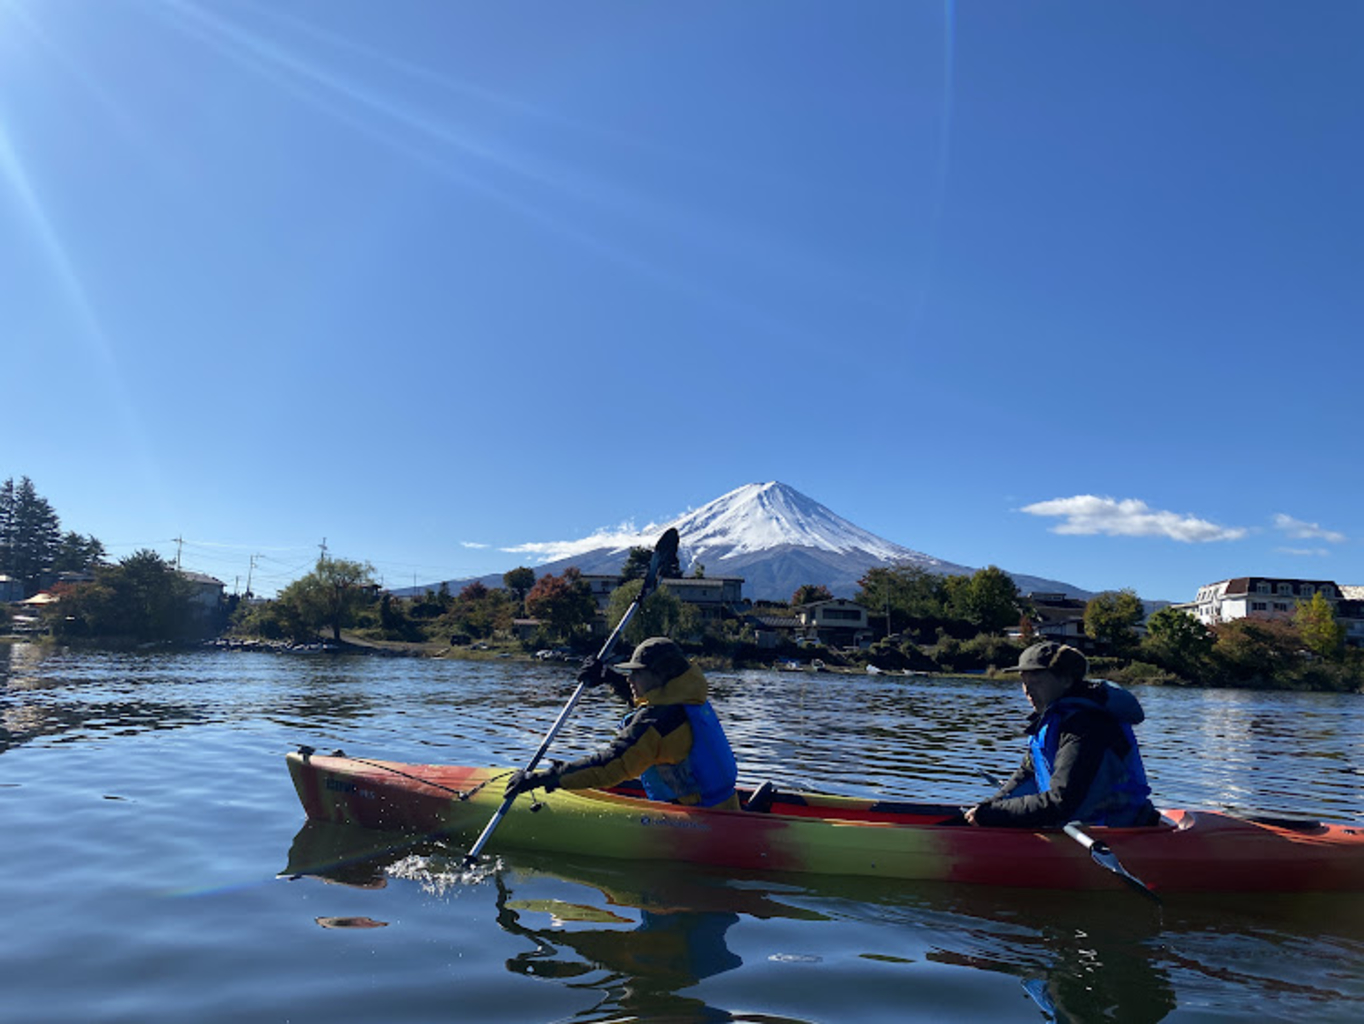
x,y
351,644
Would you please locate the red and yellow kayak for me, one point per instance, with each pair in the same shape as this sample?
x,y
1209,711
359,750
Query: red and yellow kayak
x,y
834,835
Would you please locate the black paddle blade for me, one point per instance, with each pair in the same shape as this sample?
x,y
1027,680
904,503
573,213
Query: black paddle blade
x,y
666,548
664,552
1105,858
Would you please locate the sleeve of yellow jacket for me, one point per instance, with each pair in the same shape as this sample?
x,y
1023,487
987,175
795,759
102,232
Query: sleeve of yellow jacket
x,y
653,735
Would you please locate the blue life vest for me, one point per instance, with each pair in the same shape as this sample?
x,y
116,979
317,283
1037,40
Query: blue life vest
x,y
1118,794
709,770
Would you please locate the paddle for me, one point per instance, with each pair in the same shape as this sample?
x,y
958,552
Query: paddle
x,y
664,551
1098,850
1106,858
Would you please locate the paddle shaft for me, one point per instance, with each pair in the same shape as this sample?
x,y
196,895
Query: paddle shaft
x,y
667,543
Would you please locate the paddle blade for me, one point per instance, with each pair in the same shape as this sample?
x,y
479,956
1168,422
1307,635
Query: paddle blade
x,y
1107,859
665,551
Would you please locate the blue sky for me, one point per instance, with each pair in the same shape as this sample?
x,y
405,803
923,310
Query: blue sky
x,y
1070,288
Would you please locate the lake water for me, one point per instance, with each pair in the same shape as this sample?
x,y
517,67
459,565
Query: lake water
x,y
157,866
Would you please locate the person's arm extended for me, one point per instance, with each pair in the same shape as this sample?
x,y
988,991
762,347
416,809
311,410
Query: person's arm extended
x,y
1079,753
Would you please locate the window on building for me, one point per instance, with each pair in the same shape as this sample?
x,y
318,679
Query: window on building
x,y
843,614
1259,606
1305,589
1279,606
1285,588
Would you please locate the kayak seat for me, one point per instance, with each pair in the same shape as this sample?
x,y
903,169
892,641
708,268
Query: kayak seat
x,y
761,800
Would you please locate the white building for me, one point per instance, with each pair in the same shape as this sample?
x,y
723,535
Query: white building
x,y
1273,597
1261,596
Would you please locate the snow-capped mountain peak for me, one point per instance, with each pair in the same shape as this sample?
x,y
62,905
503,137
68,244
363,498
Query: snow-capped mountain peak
x,y
770,534
760,517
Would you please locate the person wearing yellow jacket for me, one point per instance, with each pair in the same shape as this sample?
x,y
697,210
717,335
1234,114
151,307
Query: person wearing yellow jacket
x,y
672,741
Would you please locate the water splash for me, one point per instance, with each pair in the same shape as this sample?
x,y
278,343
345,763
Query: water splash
x,y
439,875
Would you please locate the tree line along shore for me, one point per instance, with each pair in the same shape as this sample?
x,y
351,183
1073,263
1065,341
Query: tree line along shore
x,y
934,625
927,623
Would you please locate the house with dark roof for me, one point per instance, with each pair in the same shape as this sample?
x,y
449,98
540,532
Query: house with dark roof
x,y
1276,597
206,592
712,596
772,631
836,622
1054,616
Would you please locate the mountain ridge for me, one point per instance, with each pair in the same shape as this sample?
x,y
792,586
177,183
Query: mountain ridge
x,y
775,537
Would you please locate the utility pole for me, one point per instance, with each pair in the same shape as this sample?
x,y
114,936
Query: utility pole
x,y
248,574
179,542
323,546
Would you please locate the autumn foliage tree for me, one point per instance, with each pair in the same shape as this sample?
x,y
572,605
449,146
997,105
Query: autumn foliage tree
x,y
481,611
809,593
1256,652
563,604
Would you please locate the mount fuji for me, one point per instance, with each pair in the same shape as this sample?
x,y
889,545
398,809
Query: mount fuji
x,y
773,536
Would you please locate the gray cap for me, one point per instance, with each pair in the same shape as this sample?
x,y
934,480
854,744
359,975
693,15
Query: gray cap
x,y
660,656
1052,656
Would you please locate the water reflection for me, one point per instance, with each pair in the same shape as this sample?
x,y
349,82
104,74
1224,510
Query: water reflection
x,y
646,965
27,721
637,946
645,936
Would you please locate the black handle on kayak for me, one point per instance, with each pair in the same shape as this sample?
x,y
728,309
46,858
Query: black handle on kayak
x,y
664,551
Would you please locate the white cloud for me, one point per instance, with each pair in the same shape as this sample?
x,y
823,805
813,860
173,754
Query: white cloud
x,y
1304,552
1089,514
1299,530
617,538
473,544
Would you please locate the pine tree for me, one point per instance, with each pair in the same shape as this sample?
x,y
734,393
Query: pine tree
x,y
7,526
31,535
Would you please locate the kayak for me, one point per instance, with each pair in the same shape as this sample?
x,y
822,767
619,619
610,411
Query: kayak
x,y
831,835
